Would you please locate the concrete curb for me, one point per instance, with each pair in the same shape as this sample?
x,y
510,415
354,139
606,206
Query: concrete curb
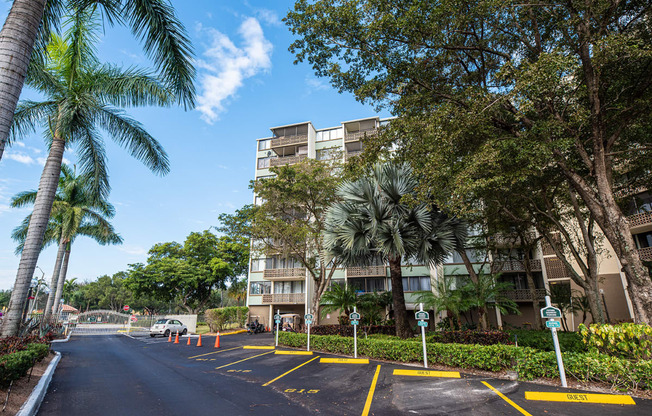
x,y
31,406
62,340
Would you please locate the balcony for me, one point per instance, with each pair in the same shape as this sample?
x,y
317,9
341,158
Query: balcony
x,y
645,253
555,269
278,298
510,240
284,274
354,137
283,141
641,222
287,160
523,295
370,271
508,266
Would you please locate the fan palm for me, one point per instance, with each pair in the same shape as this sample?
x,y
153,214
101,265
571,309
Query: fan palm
x,y
373,221
82,96
151,21
75,212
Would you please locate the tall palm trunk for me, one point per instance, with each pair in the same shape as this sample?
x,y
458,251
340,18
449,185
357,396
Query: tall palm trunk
x,y
62,277
16,43
398,297
47,190
55,278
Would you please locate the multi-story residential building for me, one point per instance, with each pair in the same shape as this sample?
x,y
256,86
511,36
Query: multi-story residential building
x,y
276,283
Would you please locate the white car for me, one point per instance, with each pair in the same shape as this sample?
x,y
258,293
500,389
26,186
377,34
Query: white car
x,y
166,327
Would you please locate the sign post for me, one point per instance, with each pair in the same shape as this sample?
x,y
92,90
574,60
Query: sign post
x,y
308,319
422,320
354,317
277,320
551,313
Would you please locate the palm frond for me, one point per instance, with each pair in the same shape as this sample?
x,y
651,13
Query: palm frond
x,y
92,160
28,116
127,87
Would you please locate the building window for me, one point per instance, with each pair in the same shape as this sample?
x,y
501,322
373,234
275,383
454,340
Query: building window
x,y
264,144
260,288
282,263
289,287
416,284
263,162
257,265
328,153
325,135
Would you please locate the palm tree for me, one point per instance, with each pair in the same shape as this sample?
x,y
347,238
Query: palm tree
x,y
238,290
373,220
445,297
82,97
151,21
487,290
339,298
75,212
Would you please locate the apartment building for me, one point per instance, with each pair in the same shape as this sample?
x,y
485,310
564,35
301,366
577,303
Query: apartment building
x,y
276,283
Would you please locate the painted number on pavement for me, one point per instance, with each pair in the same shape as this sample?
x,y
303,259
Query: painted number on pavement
x,y
238,371
301,391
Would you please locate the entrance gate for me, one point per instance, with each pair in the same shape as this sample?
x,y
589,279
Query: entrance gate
x,y
101,322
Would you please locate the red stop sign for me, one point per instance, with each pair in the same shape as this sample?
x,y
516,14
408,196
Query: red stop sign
x,y
126,307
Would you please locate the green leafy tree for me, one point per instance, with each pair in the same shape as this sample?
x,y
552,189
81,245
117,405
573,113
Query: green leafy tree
x,y
82,97
75,212
290,222
373,220
445,297
186,273
373,307
238,290
488,292
553,86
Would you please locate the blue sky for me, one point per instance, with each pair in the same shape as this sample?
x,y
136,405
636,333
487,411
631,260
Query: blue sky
x,y
246,84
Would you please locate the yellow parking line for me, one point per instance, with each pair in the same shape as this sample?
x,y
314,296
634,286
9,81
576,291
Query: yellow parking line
x,y
258,347
427,373
502,396
344,360
288,372
579,397
293,352
214,352
370,396
226,365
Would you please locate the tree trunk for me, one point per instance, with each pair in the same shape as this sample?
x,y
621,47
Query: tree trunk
x,y
62,278
53,283
34,240
398,297
16,43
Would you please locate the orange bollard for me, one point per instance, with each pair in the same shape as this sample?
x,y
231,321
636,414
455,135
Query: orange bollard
x,y
170,337
176,338
217,340
188,339
199,342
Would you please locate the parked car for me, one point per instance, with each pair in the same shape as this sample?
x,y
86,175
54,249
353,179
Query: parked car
x,y
166,327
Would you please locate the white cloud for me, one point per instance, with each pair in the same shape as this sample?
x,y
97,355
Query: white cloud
x,y
133,250
20,158
225,66
316,84
268,16
19,144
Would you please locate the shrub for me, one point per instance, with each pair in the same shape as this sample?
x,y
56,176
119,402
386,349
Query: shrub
x,y
528,362
218,318
542,340
470,337
627,340
347,330
15,365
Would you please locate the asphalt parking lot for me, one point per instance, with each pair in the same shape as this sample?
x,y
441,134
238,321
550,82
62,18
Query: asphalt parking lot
x,y
246,375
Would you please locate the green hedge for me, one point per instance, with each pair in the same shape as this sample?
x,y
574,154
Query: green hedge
x,y
15,365
542,340
627,340
528,362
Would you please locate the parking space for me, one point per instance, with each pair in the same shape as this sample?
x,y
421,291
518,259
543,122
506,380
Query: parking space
x,y
328,384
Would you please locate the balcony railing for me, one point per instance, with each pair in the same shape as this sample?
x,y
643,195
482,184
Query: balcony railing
x,y
370,271
645,253
289,140
286,160
515,266
285,274
284,298
639,220
354,137
523,295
